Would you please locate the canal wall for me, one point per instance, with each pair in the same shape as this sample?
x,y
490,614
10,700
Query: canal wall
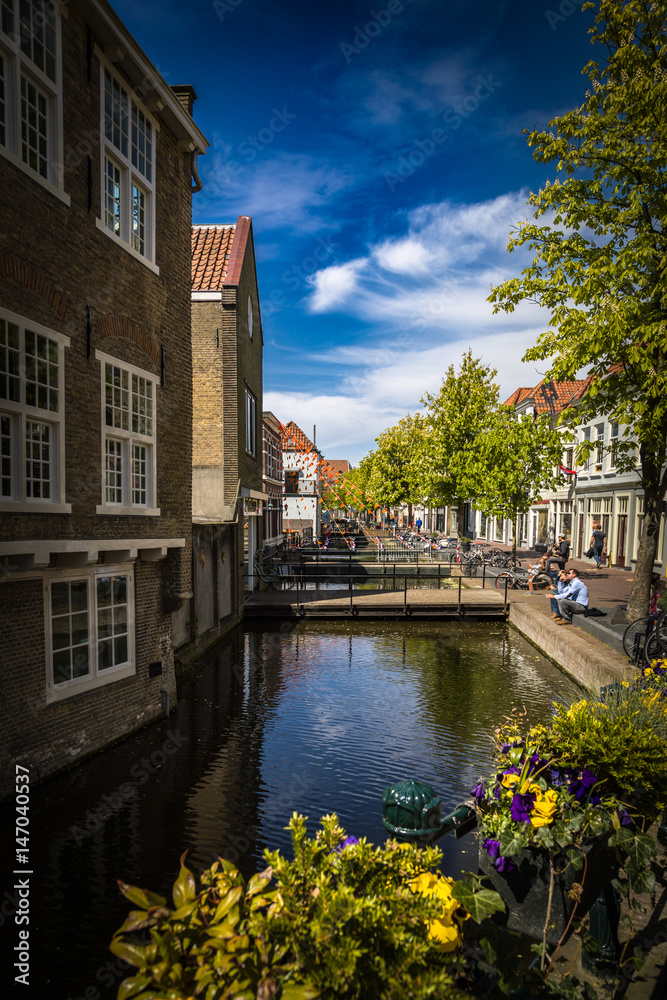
x,y
588,661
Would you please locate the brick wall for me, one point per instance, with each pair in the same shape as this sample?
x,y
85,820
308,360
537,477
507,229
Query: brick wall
x,y
58,265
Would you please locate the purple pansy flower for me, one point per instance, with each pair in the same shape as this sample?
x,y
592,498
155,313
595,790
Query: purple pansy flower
x,y
580,787
537,762
500,862
497,792
521,807
624,817
478,791
492,848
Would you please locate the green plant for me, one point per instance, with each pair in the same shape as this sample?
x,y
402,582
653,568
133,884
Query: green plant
x,y
343,919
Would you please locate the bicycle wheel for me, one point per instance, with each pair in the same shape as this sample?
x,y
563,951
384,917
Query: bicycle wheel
x,y
541,581
661,634
634,638
500,581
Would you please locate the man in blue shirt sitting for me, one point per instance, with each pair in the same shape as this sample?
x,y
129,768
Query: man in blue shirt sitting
x,y
574,598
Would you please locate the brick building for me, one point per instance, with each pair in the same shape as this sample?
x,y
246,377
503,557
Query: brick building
x,y
227,493
97,156
272,478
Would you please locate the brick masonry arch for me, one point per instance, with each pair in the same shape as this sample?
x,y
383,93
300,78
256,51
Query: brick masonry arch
x,y
28,276
119,326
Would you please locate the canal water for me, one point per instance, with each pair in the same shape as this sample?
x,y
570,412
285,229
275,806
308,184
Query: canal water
x,y
316,718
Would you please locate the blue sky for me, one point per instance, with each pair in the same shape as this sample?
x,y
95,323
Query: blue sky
x,y
378,149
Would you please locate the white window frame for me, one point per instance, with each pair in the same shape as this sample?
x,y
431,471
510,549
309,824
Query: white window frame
x,y
18,64
96,677
128,439
20,414
250,423
130,175
599,447
614,434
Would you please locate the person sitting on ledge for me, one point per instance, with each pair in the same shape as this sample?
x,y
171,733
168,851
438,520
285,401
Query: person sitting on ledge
x,y
557,590
560,556
573,600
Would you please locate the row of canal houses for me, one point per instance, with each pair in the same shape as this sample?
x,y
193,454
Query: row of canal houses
x,y
139,476
596,492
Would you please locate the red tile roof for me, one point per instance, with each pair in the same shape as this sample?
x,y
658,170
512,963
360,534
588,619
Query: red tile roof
x,y
543,398
517,396
338,464
210,254
218,252
295,440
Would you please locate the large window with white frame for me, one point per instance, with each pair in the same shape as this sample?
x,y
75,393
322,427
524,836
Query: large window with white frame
x,y
128,438
128,167
90,629
32,410
250,423
31,127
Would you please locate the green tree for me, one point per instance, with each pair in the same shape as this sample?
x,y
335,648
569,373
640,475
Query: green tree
x,y
395,476
599,264
512,461
456,415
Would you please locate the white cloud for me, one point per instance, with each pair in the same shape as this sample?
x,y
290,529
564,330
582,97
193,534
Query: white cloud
x,y
407,256
390,383
334,285
423,294
273,188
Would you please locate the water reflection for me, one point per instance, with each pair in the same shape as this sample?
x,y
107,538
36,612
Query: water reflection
x,y
317,718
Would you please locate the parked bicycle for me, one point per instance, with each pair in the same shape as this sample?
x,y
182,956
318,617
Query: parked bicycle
x,y
646,639
535,579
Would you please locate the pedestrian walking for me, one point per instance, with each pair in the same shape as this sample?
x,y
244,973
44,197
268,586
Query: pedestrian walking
x,y
597,541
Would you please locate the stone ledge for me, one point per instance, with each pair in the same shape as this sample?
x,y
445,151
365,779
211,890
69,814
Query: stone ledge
x,y
590,664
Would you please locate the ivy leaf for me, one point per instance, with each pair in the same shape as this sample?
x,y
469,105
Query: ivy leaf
x,y
644,881
480,903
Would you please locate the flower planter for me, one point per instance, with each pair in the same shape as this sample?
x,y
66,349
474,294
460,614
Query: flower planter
x,y
525,889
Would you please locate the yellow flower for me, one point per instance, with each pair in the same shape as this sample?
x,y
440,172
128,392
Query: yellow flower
x,y
545,806
444,930
509,780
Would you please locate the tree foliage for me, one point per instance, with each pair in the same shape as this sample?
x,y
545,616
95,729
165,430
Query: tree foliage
x,y
600,261
457,415
512,461
395,474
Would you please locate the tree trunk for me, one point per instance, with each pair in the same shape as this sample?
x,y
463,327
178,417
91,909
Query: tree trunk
x,y
654,494
514,537
410,514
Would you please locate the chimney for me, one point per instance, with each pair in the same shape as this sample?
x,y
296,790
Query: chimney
x,y
186,95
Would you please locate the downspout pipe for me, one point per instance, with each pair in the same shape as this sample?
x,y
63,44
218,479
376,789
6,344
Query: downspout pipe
x,y
198,185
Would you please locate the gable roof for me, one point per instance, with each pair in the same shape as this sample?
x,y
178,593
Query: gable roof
x,y
218,252
550,397
295,440
339,464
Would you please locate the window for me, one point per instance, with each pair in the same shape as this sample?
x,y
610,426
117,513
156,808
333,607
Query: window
x,y
613,446
32,467
569,458
250,423
599,446
128,431
128,172
292,483
89,629
30,90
